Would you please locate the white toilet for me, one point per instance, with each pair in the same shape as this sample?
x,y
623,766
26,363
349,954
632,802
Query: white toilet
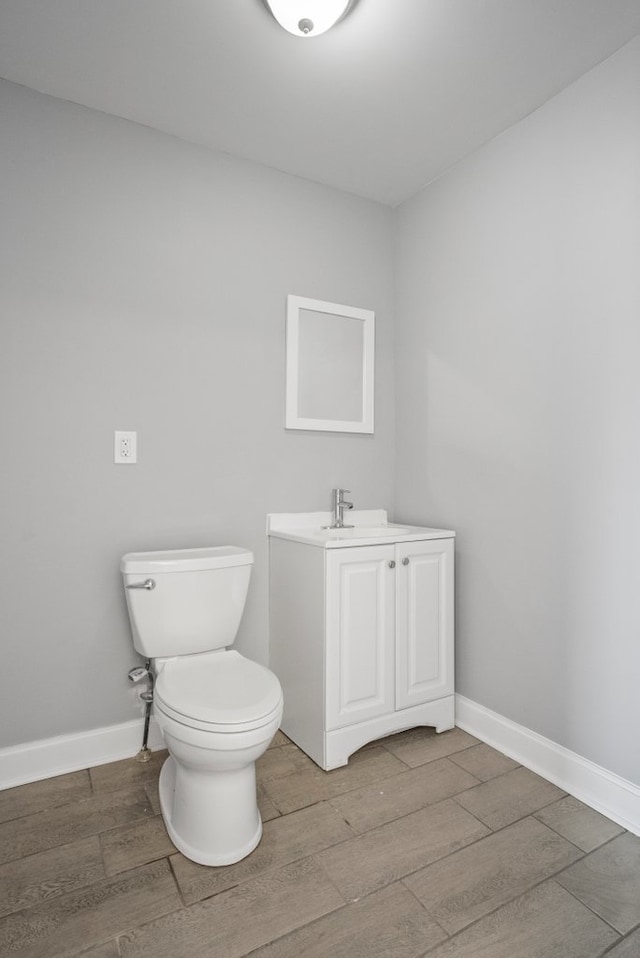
x,y
217,711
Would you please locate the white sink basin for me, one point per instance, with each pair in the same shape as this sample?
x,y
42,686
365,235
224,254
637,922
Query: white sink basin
x,y
363,532
370,527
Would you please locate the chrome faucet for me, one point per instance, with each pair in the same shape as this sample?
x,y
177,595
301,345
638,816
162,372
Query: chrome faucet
x,y
339,505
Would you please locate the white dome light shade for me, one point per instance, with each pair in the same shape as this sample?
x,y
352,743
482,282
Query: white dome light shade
x,y
308,18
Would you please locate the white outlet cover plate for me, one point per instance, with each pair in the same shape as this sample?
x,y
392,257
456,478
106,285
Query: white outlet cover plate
x,y
125,448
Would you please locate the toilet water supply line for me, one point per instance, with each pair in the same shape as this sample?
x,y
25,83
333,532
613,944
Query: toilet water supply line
x,y
141,672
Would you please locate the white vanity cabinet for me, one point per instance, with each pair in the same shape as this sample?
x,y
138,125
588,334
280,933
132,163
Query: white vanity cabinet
x,y
361,631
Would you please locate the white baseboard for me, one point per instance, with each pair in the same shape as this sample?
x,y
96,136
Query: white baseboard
x,y
602,790
33,761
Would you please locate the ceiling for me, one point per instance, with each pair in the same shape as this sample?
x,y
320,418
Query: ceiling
x,y
382,104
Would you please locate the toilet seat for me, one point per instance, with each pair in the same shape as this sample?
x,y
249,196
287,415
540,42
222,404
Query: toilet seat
x,y
218,692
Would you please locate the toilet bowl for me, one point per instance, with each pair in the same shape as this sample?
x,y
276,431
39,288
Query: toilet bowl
x,y
217,710
215,730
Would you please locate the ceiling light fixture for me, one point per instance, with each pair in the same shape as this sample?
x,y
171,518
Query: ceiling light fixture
x,y
308,18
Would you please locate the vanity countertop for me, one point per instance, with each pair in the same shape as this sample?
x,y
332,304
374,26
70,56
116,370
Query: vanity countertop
x,y
368,527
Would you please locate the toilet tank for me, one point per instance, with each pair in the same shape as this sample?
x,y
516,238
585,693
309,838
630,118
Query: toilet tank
x,y
193,599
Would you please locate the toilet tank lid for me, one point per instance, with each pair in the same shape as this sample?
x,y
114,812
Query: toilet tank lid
x,y
185,560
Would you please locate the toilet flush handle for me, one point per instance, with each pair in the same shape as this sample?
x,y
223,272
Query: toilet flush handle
x,y
147,584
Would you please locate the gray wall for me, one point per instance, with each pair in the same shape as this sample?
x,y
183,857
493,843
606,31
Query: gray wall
x,y
143,286
518,410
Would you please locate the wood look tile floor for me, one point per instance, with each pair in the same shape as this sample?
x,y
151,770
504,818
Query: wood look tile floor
x,y
424,845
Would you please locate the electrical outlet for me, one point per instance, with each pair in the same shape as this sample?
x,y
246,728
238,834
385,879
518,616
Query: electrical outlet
x,y
125,448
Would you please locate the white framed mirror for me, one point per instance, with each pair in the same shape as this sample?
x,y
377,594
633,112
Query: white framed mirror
x,y
330,366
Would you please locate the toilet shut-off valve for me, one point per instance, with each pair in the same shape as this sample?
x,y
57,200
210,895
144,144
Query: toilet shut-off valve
x,y
136,675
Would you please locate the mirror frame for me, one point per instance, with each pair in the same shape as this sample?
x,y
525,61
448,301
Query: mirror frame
x,y
367,317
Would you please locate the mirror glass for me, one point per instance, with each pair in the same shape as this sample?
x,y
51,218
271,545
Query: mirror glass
x,y
330,372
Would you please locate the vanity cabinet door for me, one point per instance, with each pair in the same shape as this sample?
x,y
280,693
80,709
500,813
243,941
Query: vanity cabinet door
x,y
359,631
424,621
